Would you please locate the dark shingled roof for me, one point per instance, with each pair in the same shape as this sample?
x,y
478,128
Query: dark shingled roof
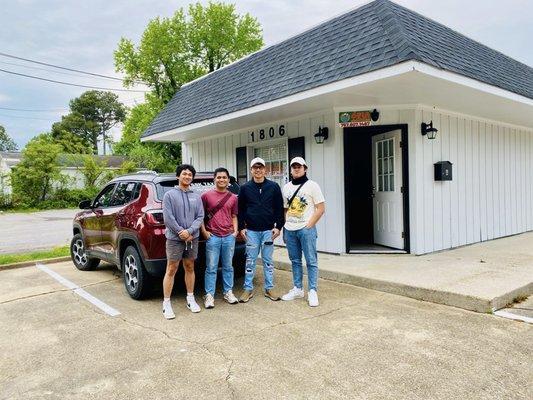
x,y
374,36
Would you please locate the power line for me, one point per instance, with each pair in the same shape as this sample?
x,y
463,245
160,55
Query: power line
x,y
23,117
71,84
31,110
58,109
66,68
44,69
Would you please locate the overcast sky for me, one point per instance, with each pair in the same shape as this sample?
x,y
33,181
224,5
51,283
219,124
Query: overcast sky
x,y
84,34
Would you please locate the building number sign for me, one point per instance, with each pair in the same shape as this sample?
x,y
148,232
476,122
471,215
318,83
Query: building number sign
x,y
271,132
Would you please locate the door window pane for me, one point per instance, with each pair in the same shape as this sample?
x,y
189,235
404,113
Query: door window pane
x,y
124,193
385,165
104,198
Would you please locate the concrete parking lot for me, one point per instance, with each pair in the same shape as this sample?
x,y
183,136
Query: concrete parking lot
x,y
359,344
22,232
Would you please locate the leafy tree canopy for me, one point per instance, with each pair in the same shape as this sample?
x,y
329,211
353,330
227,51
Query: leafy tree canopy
x,y
6,142
34,177
160,157
176,50
173,51
92,116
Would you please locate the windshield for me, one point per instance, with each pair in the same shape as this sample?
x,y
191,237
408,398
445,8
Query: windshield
x,y
198,185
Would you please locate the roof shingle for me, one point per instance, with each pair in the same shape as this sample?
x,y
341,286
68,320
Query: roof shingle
x,y
374,36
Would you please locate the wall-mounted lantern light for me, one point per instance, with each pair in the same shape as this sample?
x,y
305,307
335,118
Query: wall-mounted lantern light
x,y
322,135
427,129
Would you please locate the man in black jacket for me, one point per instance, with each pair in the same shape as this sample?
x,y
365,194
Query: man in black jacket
x,y
261,217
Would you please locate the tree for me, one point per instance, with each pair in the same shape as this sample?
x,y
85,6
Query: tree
x,y
34,177
160,157
6,142
92,116
218,36
70,143
91,170
172,52
176,50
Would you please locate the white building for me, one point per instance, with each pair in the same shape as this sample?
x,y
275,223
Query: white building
x,y
377,173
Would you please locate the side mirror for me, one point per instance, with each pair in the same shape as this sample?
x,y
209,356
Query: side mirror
x,y
85,204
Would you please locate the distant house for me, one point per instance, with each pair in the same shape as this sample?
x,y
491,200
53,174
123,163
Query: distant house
x,y
70,166
72,163
361,96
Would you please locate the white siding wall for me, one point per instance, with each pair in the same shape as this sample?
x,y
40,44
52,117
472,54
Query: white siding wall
x,y
490,196
324,163
491,193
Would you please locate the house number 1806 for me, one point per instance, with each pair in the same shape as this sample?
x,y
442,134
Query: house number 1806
x,y
267,133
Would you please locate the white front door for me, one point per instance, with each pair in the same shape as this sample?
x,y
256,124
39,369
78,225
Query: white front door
x,y
387,193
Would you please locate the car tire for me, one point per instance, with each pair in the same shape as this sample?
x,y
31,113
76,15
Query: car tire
x,y
136,279
79,256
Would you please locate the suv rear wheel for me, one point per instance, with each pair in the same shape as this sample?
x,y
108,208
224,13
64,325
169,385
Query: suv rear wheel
x,y
136,279
79,256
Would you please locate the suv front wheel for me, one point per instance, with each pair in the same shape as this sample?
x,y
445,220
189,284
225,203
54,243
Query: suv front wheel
x,y
136,279
79,256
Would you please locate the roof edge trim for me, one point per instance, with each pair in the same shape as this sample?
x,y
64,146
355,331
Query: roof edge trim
x,y
394,70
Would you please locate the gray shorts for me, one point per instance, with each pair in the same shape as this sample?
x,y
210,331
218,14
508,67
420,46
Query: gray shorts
x,y
178,249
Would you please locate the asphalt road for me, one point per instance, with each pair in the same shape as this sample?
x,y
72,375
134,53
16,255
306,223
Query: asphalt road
x,y
359,344
22,232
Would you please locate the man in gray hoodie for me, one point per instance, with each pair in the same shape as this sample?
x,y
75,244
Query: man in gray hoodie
x,y
183,213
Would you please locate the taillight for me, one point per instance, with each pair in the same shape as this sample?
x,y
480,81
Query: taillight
x,y
154,217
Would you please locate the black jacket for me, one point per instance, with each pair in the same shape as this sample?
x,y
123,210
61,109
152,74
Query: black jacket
x,y
261,206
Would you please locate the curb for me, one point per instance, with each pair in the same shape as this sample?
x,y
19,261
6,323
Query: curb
x,y
33,262
471,303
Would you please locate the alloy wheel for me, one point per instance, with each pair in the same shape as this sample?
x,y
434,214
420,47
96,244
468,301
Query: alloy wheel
x,y
78,252
131,272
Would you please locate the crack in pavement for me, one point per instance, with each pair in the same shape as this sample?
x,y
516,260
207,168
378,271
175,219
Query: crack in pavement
x,y
54,291
280,324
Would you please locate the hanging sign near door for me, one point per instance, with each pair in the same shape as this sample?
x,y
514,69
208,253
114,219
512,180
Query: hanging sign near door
x,y
351,119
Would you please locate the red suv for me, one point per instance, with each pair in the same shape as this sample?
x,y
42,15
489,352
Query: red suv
x,y
124,226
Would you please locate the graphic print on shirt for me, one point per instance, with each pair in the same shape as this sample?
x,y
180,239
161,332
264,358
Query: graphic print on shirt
x,y
298,207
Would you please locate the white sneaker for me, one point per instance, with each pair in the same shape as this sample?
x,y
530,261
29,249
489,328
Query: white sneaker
x,y
294,293
209,301
230,297
168,313
192,304
312,298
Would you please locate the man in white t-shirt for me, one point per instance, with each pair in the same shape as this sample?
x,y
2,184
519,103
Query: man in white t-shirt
x,y
304,205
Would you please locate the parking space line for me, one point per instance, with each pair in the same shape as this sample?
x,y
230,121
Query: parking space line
x,y
79,291
507,314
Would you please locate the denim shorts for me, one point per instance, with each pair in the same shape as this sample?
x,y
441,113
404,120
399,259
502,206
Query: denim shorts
x,y
178,249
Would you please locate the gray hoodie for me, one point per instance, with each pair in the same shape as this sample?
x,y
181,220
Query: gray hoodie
x,y
182,210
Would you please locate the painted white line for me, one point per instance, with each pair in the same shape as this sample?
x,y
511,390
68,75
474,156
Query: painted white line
x,y
507,314
79,291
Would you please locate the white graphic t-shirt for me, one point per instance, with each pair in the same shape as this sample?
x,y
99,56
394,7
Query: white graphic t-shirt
x,y
303,205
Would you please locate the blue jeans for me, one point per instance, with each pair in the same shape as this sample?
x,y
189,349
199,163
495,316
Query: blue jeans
x,y
255,241
302,240
222,248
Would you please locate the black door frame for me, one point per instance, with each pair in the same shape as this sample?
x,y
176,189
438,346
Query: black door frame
x,y
404,145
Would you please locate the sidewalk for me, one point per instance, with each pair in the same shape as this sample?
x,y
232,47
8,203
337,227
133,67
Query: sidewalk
x,y
483,277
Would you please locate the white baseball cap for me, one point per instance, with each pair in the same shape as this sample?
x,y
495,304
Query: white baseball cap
x,y
298,160
257,160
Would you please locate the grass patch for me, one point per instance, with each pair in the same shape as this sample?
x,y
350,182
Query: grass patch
x,y
59,251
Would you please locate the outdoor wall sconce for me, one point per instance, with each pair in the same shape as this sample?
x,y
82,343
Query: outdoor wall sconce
x,y
374,115
323,134
427,129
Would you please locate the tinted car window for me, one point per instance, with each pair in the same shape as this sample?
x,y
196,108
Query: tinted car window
x,y
104,198
124,193
198,185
